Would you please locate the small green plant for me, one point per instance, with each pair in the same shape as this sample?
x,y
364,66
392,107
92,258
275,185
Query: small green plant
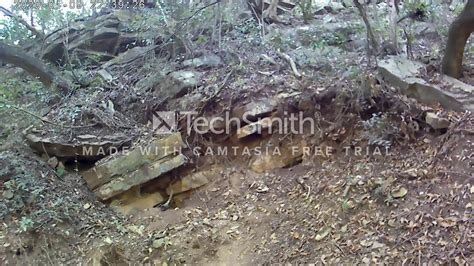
x,y
10,184
26,224
60,171
201,40
346,205
330,39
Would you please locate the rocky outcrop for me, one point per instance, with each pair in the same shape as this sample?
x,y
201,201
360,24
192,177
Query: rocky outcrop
x,y
406,75
86,149
102,34
142,164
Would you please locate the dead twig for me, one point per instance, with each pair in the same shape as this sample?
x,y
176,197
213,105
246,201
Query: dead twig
x,y
269,59
466,131
291,62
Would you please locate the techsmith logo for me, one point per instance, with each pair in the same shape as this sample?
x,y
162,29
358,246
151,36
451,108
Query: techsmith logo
x,y
167,122
294,123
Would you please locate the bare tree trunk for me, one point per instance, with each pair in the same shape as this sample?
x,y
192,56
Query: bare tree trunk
x,y
371,41
370,33
459,33
219,8
393,23
32,66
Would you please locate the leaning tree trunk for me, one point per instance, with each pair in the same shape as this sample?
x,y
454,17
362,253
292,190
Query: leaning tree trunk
x,y
459,33
33,66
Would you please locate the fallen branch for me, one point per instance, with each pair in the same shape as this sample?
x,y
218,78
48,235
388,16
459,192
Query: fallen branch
x,y
269,59
466,131
33,66
291,62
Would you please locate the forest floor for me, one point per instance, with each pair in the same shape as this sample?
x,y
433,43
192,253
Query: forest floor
x,y
410,203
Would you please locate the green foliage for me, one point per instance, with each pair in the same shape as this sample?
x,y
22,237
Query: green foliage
x,y
416,5
13,32
248,26
249,30
306,7
60,171
336,39
12,88
26,224
43,17
420,10
202,40
346,205
458,8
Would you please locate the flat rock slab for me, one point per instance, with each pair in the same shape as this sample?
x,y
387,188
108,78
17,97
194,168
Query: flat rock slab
x,y
206,61
405,75
255,127
174,85
101,35
157,150
129,56
436,122
255,109
143,174
87,149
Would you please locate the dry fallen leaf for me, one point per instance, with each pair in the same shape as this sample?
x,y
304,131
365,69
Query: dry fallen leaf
x,y
448,222
323,233
400,193
366,243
